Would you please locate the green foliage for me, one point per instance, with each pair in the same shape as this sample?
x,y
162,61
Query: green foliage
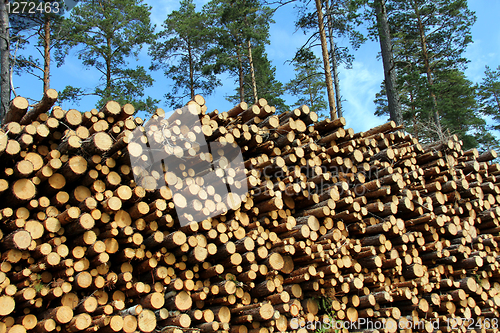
x,y
308,84
267,86
325,306
445,24
345,20
489,95
108,33
429,39
458,107
180,50
238,25
456,102
36,29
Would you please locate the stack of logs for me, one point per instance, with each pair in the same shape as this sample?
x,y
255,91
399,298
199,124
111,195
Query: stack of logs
x,y
375,223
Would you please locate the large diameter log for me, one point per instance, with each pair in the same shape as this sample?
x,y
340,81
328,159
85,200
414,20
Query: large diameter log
x,y
61,314
7,305
153,301
19,239
111,109
18,108
275,261
74,168
22,191
79,323
259,313
179,301
48,100
146,321
97,144
182,320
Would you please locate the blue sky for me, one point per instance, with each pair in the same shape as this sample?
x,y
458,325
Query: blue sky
x,y
358,85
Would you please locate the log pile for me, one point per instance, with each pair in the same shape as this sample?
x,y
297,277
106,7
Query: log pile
x,y
384,227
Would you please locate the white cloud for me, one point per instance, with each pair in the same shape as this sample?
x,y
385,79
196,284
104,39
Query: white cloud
x,y
479,58
359,86
160,11
486,47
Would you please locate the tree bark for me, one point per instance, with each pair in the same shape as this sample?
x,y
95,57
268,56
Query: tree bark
x,y
428,69
241,77
108,65
252,72
326,61
191,70
336,83
4,60
388,61
311,98
46,49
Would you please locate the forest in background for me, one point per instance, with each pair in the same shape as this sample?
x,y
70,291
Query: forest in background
x,y
422,47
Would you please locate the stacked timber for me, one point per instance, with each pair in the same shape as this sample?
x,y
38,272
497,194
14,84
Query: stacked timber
x,y
384,228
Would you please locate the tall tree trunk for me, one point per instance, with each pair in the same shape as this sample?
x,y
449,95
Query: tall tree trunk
x,y
326,61
241,76
252,72
336,83
388,62
428,69
46,57
108,67
4,60
191,70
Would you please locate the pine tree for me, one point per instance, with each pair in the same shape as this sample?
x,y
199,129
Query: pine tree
x,y
180,50
308,84
339,20
437,33
242,31
429,39
384,37
458,108
265,82
489,95
42,31
326,61
107,33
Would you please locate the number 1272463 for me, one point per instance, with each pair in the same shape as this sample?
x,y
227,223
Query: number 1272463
x,y
32,7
